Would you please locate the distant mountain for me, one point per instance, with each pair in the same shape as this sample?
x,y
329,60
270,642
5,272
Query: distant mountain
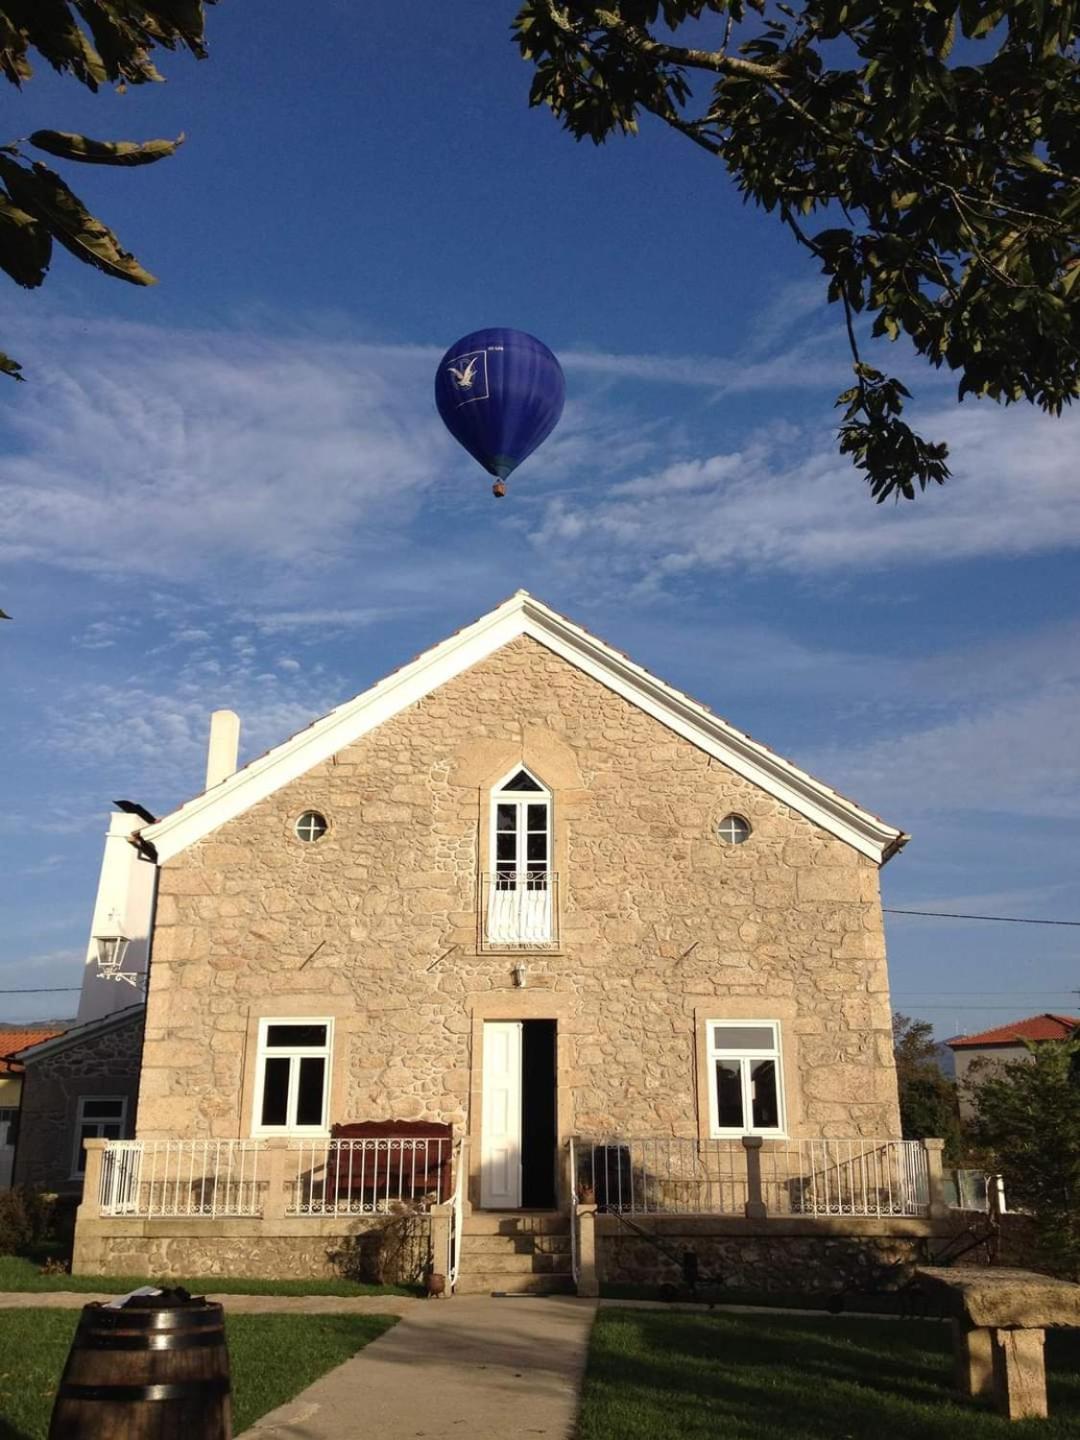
x,y
65,1022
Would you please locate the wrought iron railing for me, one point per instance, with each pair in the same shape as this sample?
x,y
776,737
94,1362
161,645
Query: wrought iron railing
x,y
189,1178
368,1176
815,1177
519,909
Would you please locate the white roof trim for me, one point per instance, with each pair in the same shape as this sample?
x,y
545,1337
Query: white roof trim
x,y
79,1032
523,615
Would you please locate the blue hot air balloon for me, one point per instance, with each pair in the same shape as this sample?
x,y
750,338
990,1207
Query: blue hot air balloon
x,y
500,394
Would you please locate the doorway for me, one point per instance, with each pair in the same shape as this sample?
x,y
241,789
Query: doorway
x,y
519,1129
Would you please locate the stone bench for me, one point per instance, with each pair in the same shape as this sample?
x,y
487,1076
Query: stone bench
x,y
1000,1318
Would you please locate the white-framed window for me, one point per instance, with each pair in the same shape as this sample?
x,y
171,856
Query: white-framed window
x,y
734,830
99,1117
746,1079
520,886
310,826
292,1077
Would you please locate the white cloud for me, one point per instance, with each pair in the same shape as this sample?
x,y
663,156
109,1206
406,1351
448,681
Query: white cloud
x,y
793,504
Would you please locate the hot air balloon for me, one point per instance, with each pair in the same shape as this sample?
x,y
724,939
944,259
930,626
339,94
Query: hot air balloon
x,y
500,394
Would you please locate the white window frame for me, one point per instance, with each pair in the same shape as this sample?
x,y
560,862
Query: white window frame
x,y
501,796
297,1052
744,1055
96,1120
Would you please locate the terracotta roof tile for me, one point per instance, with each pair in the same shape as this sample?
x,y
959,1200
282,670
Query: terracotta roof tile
x,y
13,1040
1035,1027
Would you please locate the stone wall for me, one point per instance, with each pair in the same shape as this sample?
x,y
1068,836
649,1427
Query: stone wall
x,y
662,926
376,1250
815,1258
103,1063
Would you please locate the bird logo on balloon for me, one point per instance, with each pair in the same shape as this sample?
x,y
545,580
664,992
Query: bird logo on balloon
x,y
502,425
464,378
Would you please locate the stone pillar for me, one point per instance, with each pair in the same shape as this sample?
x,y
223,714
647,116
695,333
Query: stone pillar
x,y
588,1280
276,1195
1020,1374
756,1209
973,1357
90,1205
935,1180
442,1227
86,1255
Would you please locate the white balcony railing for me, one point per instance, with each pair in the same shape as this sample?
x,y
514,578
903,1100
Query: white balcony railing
x,y
520,908
368,1176
148,1178
668,1176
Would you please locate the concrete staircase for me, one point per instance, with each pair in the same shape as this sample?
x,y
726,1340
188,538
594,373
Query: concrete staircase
x,y
517,1252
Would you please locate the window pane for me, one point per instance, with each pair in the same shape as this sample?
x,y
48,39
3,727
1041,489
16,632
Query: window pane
x,y
110,1131
763,1094
536,850
506,847
275,1105
102,1109
744,1037
505,817
537,817
309,1094
521,781
292,1036
729,1114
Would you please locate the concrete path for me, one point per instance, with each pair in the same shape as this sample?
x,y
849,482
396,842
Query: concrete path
x,y
471,1368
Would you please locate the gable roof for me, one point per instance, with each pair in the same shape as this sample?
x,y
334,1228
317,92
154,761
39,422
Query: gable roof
x,y
15,1040
521,615
81,1032
1035,1027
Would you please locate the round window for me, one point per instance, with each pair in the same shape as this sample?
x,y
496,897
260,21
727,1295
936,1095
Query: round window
x,y
311,826
733,830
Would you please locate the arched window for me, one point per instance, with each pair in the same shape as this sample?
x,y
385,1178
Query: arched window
x,y
520,912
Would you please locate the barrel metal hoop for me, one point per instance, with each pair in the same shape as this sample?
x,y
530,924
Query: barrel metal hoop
x,y
169,1340
176,1319
179,1390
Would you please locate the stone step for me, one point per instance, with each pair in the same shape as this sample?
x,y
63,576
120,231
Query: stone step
x,y
510,1263
516,1222
486,1283
517,1244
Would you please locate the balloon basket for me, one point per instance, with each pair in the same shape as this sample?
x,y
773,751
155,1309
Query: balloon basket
x,y
499,489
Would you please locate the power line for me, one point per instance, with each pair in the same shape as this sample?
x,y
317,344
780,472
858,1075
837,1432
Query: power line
x,y
1002,919
42,990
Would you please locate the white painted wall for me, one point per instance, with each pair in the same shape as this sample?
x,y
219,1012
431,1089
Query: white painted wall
x,y
125,895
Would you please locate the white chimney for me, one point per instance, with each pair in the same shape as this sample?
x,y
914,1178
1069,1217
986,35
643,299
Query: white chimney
x,y
224,746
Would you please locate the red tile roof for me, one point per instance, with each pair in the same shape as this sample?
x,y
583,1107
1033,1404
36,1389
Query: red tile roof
x,y
1036,1027
13,1040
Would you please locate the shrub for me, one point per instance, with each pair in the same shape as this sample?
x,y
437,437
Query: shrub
x,y
26,1219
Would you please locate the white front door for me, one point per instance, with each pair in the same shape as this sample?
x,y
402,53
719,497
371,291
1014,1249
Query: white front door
x,y
500,1153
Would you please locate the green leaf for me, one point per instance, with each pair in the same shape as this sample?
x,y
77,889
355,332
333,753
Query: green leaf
x,y
44,194
104,152
12,368
25,245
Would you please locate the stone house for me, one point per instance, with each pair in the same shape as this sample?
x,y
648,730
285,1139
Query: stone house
x,y
14,1038
522,890
973,1055
78,1084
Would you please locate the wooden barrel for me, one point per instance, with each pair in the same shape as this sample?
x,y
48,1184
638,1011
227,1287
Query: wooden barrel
x,y
145,1374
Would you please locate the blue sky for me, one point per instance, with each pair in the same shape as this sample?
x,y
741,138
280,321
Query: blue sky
x,y
233,489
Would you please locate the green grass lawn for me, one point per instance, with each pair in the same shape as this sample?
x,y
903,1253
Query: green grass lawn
x,y
19,1273
272,1358
663,1375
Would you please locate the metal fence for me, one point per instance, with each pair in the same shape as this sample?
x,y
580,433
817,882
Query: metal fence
x,y
662,1176
668,1176
368,1176
146,1178
520,908
868,1178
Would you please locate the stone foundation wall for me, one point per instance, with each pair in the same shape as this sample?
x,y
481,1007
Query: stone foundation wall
x,y
768,1259
375,1250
